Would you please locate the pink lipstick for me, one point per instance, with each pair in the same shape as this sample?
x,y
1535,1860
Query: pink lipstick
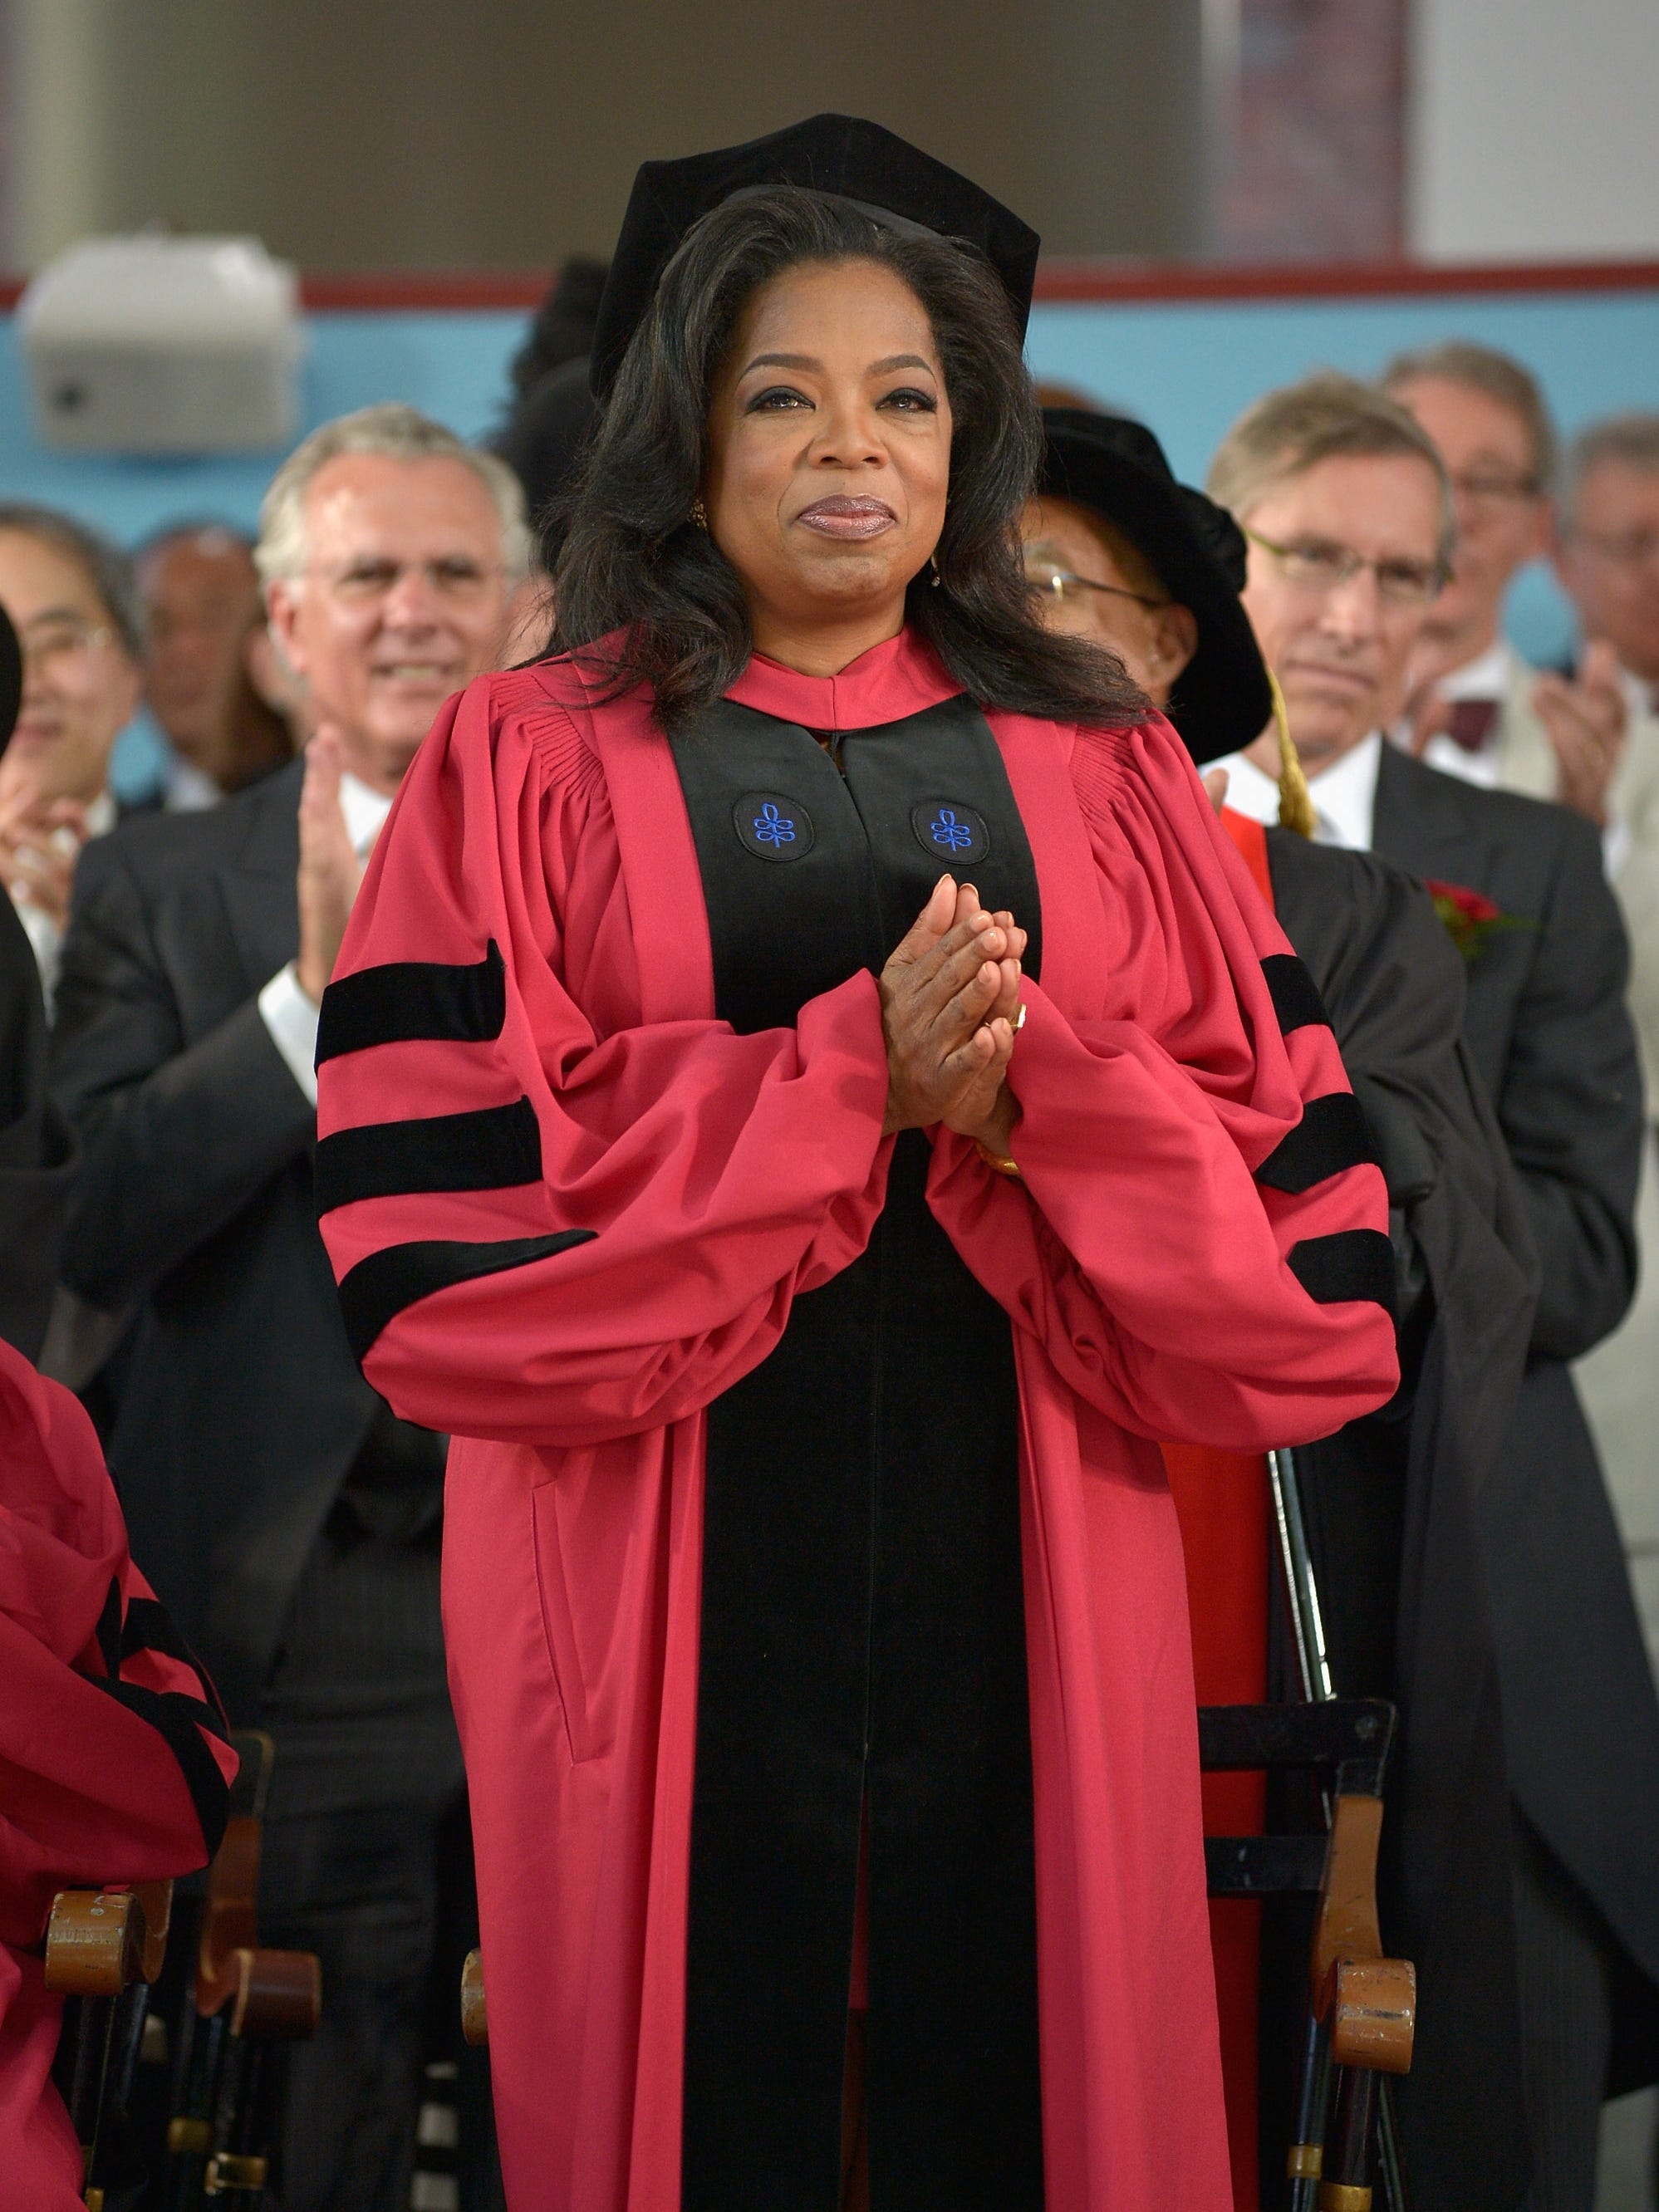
x,y
842,516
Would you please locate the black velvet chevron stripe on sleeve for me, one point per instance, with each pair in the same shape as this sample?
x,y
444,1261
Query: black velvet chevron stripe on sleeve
x,y
149,1627
403,1000
179,1721
1295,994
1351,1263
492,1148
109,1628
379,1287
1331,1135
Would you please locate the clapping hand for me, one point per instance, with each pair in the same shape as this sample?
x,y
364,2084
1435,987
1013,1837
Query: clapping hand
x,y
330,870
40,842
1584,721
950,1000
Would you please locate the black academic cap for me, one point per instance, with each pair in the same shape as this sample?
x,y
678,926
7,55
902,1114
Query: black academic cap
x,y
1117,469
11,679
836,153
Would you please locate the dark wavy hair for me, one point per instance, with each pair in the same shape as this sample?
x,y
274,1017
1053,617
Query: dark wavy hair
x,y
633,562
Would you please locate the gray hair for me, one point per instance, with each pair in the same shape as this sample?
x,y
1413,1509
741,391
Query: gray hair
x,y
105,567
1325,418
1500,377
401,433
1631,440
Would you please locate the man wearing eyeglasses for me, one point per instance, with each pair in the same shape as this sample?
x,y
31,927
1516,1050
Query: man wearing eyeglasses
x,y
292,1522
1347,508
1475,708
74,602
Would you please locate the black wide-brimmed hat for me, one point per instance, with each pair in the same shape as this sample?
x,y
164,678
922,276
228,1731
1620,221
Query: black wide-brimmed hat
x,y
11,679
1117,469
838,155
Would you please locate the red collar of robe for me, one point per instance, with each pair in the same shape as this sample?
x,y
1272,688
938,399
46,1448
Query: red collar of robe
x,y
898,677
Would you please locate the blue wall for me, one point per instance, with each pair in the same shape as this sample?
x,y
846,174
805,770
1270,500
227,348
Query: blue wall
x,y
1186,368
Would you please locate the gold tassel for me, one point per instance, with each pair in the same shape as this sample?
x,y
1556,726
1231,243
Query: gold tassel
x,y
1296,806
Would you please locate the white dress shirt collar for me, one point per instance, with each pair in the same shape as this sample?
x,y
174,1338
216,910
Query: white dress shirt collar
x,y
365,810
1344,794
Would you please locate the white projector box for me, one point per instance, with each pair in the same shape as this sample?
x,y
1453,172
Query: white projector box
x,y
154,344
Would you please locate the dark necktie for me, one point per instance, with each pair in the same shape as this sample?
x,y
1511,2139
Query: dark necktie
x,y
1469,722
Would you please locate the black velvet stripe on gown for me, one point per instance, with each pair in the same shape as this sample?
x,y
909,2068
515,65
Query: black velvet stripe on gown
x,y
863,1648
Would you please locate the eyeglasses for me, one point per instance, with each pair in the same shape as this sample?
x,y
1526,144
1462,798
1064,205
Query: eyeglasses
x,y
1491,488
1044,576
454,578
61,644
1630,549
1316,564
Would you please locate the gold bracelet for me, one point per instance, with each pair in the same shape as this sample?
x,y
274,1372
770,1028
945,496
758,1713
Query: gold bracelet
x,y
999,1162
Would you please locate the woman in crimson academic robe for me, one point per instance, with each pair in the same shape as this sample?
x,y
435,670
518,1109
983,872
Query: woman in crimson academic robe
x,y
802,1102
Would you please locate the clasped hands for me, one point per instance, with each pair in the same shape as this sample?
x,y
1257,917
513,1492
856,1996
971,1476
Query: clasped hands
x,y
949,1002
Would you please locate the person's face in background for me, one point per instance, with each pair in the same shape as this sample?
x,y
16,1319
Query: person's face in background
x,y
829,457
1503,512
1608,563
1341,650
202,604
80,684
1091,583
403,599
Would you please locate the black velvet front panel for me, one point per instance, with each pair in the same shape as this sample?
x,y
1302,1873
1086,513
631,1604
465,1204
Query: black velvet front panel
x,y
863,1652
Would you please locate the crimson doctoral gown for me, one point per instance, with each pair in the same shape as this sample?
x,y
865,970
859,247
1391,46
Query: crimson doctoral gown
x,y
113,1762
1187,1258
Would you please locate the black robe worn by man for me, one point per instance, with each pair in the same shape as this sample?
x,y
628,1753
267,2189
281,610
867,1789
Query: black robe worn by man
x,y
1391,1500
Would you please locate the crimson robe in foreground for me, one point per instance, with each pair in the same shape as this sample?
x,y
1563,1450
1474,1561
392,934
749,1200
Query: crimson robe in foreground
x,y
113,1765
532,928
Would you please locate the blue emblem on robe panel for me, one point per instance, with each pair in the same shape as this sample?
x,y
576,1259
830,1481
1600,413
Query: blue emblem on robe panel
x,y
953,833
772,826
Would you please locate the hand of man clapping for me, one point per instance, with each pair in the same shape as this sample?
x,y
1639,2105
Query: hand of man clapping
x,y
1584,721
950,997
40,842
330,870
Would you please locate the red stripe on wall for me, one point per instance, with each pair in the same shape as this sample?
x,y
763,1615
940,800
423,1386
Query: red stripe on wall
x,y
473,291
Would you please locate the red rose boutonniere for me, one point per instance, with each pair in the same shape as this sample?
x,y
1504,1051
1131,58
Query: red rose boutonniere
x,y
1469,916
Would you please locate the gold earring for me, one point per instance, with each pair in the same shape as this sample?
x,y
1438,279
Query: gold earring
x,y
699,516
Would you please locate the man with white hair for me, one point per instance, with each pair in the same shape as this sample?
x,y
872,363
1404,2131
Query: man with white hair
x,y
290,1521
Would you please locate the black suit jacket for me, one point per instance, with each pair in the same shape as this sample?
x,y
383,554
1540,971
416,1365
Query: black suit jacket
x,y
1550,1032
242,1408
37,1151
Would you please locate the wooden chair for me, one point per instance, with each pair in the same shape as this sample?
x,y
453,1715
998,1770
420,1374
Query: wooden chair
x,y
475,2021
1362,2008
246,2002
1361,2005
104,1949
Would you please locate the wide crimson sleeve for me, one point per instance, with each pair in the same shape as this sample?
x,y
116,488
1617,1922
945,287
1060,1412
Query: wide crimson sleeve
x,y
1200,1240
114,1765
553,1222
